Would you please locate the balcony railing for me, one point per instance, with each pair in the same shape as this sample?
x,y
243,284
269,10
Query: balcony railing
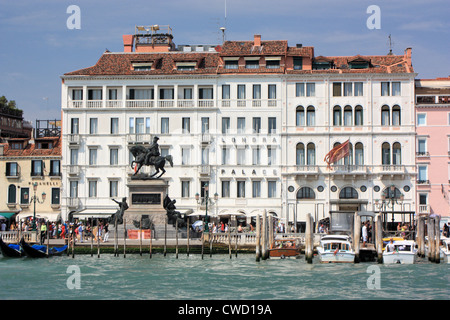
x,y
73,202
73,170
139,138
424,208
205,169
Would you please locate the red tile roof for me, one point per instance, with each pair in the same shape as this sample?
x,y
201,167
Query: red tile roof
x,y
30,149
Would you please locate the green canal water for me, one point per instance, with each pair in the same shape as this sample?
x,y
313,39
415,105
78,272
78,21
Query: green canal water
x,y
217,277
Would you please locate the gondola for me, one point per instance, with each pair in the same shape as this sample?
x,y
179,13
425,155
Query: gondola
x,y
11,250
39,251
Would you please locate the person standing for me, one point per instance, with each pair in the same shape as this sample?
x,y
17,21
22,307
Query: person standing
x,y
365,234
43,231
106,231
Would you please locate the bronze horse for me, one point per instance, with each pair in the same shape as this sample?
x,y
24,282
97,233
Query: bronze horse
x,y
139,153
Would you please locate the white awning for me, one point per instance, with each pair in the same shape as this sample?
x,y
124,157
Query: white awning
x,y
201,213
51,216
273,58
94,213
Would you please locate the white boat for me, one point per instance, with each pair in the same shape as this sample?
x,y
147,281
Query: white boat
x,y
336,249
402,251
445,250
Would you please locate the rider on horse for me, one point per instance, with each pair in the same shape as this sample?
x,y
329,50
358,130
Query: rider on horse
x,y
152,152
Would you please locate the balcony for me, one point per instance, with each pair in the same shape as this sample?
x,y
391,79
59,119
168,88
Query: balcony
x,y
424,208
139,138
140,103
349,171
204,170
206,138
73,202
73,170
305,171
73,139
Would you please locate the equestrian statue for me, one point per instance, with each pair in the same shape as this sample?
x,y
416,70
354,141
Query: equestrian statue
x,y
149,157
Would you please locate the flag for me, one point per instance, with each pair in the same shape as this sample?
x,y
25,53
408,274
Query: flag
x,y
337,153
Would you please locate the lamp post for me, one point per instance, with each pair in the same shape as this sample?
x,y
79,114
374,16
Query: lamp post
x,y
389,199
206,200
34,198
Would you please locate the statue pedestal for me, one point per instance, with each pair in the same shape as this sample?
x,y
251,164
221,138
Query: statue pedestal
x,y
146,199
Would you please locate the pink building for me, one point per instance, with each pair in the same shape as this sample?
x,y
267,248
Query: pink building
x,y
433,146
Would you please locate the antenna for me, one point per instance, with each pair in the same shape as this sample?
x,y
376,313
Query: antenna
x,y
391,44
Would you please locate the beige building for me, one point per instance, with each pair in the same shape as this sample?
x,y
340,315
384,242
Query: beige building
x,y
31,178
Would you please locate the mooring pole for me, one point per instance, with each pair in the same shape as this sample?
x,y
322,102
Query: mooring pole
x,y
229,237
98,239
188,230
151,236
73,242
431,241
116,238
48,239
140,236
309,245
379,238
92,238
176,237
258,237
124,238
165,237
437,235
203,238
357,236
210,242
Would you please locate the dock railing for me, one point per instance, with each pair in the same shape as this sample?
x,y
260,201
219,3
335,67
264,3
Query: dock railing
x,y
13,236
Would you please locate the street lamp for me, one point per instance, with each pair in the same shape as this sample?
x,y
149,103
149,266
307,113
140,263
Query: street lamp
x,y
34,198
206,200
389,198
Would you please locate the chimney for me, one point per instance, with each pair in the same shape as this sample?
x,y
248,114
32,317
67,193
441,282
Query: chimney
x,y
257,40
128,40
408,56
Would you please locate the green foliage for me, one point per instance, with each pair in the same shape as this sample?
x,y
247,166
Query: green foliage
x,y
8,104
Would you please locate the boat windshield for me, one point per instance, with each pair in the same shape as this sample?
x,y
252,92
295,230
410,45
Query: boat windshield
x,y
333,246
401,247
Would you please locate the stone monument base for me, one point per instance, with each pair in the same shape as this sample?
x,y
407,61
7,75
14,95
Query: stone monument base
x,y
146,199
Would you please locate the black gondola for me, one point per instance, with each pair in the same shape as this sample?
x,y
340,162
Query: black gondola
x,y
39,251
11,250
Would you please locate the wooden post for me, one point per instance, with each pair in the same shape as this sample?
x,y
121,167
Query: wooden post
x,y
48,239
210,242
264,236
357,236
165,237
309,245
229,237
73,242
98,239
379,238
431,241
176,237
124,238
420,237
92,236
235,236
258,237
437,236
140,236
116,239
151,236
203,238
188,230
271,236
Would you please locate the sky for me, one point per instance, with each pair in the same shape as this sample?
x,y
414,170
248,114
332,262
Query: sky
x,y
39,43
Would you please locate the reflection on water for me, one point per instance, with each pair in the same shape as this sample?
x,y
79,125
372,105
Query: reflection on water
x,y
219,277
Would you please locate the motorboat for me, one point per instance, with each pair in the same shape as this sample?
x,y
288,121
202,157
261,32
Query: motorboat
x,y
11,250
285,248
336,249
400,251
445,250
40,251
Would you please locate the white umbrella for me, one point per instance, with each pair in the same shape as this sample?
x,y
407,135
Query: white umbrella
x,y
2,218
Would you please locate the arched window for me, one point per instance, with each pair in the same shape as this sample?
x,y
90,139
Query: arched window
x,y
385,119
396,153
306,193
300,154
339,162
386,153
12,193
337,116
396,115
310,116
348,114
300,116
359,154
358,116
311,154
348,160
391,192
348,193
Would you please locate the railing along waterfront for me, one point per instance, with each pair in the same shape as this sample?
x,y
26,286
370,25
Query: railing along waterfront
x,y
14,237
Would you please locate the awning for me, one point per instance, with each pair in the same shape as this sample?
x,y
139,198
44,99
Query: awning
x,y
50,216
7,215
94,213
201,213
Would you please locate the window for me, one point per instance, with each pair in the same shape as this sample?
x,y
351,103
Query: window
x,y
337,116
56,196
73,191
271,155
186,125
359,154
386,154
310,116
271,189
337,89
231,64
300,154
272,125
299,89
92,156
421,119
113,188
166,93
185,186
226,92
358,89
385,118
240,156
114,156
73,156
422,177
205,93
396,153
421,146
272,63
24,195
185,155
12,193
252,64
205,155
186,66
272,91
348,114
385,90
300,116
77,94
348,193
348,89
225,155
114,126
256,125
240,189
112,94
95,94
310,89
241,91
92,188
311,154
396,89
55,166
141,94
74,126
256,92
37,167
396,115
240,125
12,169
358,116
225,189
93,125
256,189
205,125
256,156
225,125
298,63
306,193
164,125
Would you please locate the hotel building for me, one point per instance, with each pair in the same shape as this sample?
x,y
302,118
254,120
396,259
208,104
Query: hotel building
x,y
253,120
